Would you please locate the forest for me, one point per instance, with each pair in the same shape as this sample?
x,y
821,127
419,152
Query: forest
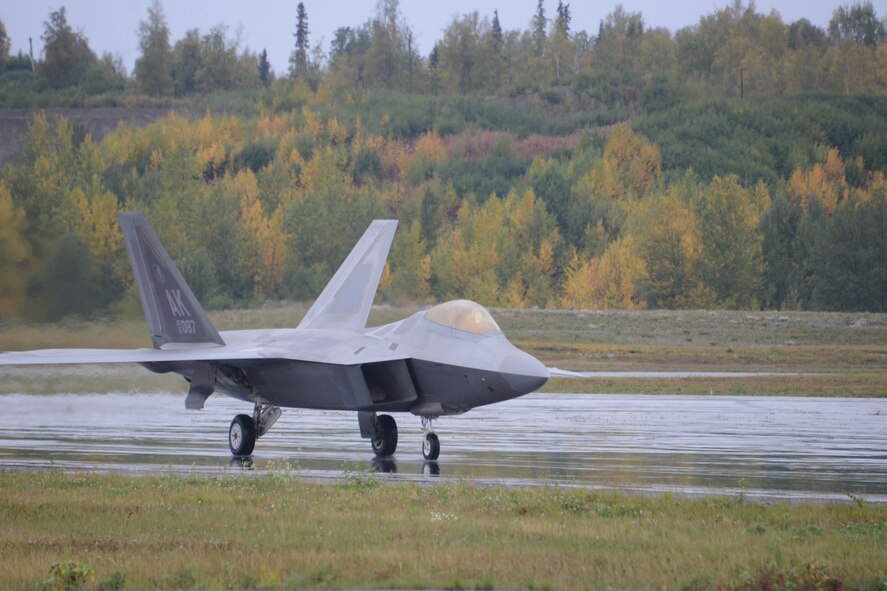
x,y
737,163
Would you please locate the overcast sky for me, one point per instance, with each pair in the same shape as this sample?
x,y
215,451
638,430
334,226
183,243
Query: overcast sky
x,y
111,25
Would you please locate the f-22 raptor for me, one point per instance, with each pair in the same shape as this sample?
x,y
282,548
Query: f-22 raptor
x,y
442,361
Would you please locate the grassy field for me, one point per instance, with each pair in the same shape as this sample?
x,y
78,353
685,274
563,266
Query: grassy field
x,y
838,354
276,531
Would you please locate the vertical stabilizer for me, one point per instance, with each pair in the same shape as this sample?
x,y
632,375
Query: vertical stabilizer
x,y
174,315
346,300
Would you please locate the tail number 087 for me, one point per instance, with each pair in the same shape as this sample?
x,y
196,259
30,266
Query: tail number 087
x,y
186,326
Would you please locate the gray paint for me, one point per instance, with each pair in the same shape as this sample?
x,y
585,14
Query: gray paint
x,y
330,361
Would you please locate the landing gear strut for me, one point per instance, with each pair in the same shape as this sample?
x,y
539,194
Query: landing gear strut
x,y
245,429
430,443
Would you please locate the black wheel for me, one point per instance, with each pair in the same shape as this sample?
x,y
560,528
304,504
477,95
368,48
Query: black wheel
x,y
385,439
430,446
242,435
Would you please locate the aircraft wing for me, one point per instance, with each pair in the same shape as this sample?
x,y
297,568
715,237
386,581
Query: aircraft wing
x,y
557,372
71,356
346,300
319,349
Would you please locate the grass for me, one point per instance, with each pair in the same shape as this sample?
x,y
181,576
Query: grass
x,y
277,531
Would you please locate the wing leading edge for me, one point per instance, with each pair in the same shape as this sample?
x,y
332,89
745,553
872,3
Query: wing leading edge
x,y
346,300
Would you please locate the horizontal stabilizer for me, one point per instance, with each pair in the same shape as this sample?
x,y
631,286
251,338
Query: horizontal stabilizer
x,y
174,315
346,300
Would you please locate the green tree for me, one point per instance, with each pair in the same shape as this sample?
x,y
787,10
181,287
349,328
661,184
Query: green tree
x,y
67,56
264,69
299,56
410,265
858,23
849,263
538,25
14,256
187,62
153,70
732,263
666,237
783,258
4,47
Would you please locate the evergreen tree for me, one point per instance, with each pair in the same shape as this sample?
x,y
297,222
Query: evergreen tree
x,y
496,33
299,57
153,70
538,25
562,24
264,69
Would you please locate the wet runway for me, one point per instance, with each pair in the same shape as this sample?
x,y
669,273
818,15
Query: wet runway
x,y
759,447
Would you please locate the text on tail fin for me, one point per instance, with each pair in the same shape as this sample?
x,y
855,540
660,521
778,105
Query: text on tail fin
x,y
174,315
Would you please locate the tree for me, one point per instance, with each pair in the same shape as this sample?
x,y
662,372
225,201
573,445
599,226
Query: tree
x,y
666,237
299,57
4,46
619,35
14,256
187,62
538,28
858,23
496,33
849,268
732,263
67,56
562,23
264,69
153,70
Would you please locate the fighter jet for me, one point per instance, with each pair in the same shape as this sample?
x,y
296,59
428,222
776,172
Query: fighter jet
x,y
442,361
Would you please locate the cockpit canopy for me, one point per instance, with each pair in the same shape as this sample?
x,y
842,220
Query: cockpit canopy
x,y
464,315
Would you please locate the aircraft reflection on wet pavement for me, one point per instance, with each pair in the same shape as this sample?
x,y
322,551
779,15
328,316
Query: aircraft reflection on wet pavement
x,y
796,448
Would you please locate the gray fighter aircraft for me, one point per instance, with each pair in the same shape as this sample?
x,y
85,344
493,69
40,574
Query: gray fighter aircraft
x,y
442,361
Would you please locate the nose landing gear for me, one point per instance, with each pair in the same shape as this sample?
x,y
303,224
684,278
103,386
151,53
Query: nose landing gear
x,y
430,442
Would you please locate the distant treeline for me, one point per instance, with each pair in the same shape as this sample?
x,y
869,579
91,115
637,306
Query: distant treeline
x,y
569,171
624,64
266,207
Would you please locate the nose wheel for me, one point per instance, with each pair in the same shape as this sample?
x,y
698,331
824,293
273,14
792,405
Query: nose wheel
x,y
430,446
430,443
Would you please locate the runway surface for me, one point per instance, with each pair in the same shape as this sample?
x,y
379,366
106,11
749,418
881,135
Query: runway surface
x,y
758,447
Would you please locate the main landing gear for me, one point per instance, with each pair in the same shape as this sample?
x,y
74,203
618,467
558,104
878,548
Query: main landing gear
x,y
246,429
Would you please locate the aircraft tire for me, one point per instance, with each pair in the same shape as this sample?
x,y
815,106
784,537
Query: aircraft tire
x,y
384,441
431,447
242,436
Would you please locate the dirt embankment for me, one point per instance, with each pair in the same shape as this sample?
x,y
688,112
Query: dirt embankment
x,y
100,122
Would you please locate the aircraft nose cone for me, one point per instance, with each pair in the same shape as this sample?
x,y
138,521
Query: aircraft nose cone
x,y
523,372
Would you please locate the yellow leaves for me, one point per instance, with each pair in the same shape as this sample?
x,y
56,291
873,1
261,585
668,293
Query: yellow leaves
x,y
608,281
263,239
14,256
635,161
336,132
156,160
431,148
324,173
825,181
96,222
